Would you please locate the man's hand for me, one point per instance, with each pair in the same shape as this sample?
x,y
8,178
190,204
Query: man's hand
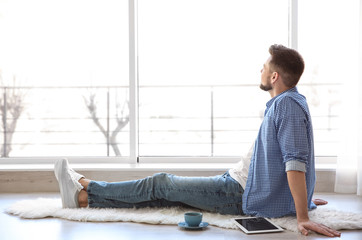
x,y
305,226
298,189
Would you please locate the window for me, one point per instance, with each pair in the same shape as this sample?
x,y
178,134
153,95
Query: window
x,y
64,77
199,65
66,87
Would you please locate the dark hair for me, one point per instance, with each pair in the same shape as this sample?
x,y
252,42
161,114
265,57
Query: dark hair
x,y
287,62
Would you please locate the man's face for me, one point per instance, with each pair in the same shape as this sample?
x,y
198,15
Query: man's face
x,y
265,83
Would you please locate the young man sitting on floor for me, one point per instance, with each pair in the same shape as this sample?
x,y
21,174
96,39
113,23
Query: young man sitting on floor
x,y
276,180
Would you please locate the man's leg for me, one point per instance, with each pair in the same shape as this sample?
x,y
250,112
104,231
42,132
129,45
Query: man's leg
x,y
217,194
74,195
83,200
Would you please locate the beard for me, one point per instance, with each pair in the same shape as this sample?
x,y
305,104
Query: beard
x,y
266,87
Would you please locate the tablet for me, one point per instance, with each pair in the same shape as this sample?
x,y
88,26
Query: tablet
x,y
251,225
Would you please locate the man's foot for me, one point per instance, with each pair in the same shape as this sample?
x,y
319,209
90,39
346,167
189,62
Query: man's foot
x,y
318,201
68,183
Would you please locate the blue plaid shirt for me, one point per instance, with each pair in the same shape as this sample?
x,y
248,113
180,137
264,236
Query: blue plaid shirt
x,y
285,134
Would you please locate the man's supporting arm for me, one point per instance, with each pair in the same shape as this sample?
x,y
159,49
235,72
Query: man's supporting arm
x,y
298,188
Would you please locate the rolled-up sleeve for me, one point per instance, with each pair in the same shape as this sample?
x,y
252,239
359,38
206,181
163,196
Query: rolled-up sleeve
x,y
295,165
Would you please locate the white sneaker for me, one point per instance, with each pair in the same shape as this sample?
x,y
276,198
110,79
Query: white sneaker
x,y
68,183
75,176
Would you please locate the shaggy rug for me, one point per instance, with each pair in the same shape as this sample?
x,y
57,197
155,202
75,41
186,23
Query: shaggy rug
x,y
51,207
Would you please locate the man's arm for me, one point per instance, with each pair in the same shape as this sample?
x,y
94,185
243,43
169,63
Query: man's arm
x,y
298,188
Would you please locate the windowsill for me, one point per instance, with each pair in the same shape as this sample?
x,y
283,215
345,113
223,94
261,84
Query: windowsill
x,y
39,177
139,167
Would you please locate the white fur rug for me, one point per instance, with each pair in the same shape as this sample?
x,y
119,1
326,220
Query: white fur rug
x,y
51,207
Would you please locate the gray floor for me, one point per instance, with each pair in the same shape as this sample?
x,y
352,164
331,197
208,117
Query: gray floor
x,y
13,228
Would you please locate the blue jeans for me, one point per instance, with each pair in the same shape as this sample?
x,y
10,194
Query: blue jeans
x,y
221,194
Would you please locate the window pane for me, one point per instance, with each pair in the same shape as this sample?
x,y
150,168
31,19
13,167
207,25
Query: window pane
x,y
328,45
200,64
238,113
172,124
58,55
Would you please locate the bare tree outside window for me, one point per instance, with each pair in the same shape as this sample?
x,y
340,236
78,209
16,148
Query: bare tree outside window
x,y
121,117
11,108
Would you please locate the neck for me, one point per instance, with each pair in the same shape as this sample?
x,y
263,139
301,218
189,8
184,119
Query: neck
x,y
278,90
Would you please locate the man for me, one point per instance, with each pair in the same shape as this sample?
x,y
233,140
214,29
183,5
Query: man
x,y
279,181
282,167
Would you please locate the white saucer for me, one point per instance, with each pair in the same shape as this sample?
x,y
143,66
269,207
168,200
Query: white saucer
x,y
186,226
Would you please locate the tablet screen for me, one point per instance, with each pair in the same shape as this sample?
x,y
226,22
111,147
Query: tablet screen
x,y
256,224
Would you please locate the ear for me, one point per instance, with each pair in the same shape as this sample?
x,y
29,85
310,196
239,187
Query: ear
x,y
274,77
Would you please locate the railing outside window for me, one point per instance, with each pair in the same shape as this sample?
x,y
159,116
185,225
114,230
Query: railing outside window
x,y
181,121
64,121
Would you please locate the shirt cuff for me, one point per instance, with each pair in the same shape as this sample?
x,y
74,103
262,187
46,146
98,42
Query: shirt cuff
x,y
295,165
